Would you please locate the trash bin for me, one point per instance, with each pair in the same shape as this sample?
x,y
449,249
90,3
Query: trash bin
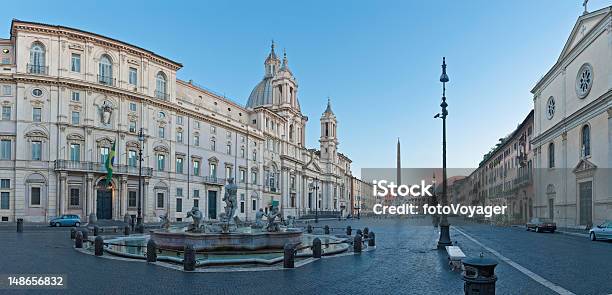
x,y
479,275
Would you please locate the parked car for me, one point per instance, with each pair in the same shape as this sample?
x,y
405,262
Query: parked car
x,y
602,231
66,220
541,225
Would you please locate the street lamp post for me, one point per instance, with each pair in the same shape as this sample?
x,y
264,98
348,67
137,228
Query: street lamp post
x,y
139,225
444,225
359,207
315,186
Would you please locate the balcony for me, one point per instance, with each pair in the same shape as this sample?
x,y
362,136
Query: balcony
x,y
95,167
271,189
37,69
213,180
161,95
107,80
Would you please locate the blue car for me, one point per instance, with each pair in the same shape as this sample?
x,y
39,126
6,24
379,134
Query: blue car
x,y
602,231
66,220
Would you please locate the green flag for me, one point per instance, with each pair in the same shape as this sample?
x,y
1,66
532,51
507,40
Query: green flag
x,y
109,164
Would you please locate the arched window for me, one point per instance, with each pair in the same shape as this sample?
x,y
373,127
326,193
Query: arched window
x,y
291,132
551,155
105,75
586,140
37,59
161,86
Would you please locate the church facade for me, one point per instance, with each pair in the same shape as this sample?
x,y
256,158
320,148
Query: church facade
x,y
573,127
70,97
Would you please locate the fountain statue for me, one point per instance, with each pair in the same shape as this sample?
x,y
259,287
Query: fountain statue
x,y
230,200
290,221
165,222
272,224
197,216
259,219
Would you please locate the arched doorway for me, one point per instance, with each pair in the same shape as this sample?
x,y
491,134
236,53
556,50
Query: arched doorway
x,y
104,199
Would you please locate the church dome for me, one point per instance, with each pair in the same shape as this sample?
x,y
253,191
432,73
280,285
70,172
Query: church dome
x,y
261,94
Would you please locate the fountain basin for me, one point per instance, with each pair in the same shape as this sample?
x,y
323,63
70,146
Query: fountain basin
x,y
226,241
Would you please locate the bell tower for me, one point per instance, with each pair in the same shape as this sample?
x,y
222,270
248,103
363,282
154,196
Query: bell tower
x,y
328,140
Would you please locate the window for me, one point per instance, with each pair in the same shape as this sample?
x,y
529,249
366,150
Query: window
x,y
132,199
133,76
6,60
551,155
179,120
105,75
586,141
196,140
103,154
228,149
37,92
254,155
162,132
213,129
4,200
76,118
196,203
254,204
132,158
242,175
36,150
179,165
75,197
132,127
196,167
132,106
161,115
179,205
196,193
36,114
5,149
75,63
213,169
197,124
229,135
37,59
550,108
242,207
160,200
228,172
179,136
242,152
160,85
35,196
292,183
161,162
75,152
6,89
75,96
6,113
5,184
254,177
212,144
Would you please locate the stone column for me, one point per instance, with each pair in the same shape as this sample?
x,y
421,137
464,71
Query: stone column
x,y
145,196
88,193
62,193
123,194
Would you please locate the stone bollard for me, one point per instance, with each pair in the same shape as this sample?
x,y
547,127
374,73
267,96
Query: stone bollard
x,y
326,229
99,246
96,230
78,240
479,276
140,228
358,232
366,231
316,248
371,239
73,233
309,229
93,219
151,251
19,225
349,230
189,261
289,256
127,218
357,246
126,230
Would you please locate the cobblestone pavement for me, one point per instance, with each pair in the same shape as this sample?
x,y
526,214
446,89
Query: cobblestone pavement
x,y
404,262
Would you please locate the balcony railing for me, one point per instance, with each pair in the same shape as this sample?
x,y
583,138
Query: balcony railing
x,y
37,69
107,80
271,189
95,167
161,95
213,180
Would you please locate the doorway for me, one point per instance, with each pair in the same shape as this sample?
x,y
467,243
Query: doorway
x,y
212,204
104,204
586,202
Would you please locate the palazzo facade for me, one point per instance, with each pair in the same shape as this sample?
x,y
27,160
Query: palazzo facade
x,y
67,96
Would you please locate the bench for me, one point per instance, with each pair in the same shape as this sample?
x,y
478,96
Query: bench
x,y
455,255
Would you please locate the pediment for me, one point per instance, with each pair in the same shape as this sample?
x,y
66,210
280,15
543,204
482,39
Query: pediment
x,y
585,168
36,133
583,26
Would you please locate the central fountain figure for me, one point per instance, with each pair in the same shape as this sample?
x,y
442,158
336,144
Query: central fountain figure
x,y
230,199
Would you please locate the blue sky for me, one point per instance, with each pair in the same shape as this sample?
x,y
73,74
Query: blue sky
x,y
379,61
